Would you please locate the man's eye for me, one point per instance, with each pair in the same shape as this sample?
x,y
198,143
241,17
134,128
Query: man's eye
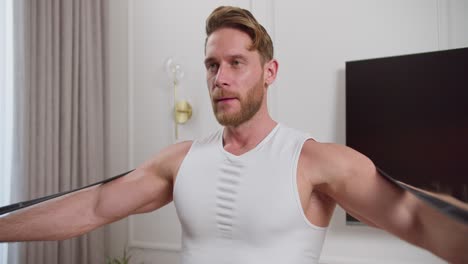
x,y
212,67
236,63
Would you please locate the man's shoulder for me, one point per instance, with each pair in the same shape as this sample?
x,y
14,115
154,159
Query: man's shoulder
x,y
212,137
181,149
332,160
167,162
295,133
330,153
172,153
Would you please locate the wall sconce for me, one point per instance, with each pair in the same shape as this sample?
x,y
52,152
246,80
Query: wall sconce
x,y
182,108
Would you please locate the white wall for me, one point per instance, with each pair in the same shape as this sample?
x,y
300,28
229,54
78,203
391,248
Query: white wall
x,y
313,39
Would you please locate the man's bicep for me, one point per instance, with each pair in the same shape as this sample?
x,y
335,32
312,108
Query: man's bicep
x,y
147,188
139,189
356,185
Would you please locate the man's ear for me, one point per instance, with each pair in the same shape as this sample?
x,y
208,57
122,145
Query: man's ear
x,y
270,71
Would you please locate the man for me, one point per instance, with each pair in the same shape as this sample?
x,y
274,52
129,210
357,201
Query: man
x,y
255,191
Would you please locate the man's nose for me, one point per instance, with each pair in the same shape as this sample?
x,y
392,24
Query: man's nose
x,y
222,76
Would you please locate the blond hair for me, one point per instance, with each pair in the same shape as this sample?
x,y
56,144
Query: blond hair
x,y
243,20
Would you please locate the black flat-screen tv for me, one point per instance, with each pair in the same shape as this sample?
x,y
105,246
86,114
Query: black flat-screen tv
x,y
409,114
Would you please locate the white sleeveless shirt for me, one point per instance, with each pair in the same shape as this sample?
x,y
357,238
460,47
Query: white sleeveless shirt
x,y
245,209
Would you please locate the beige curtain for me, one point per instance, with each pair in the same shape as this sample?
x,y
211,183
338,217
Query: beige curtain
x,y
59,126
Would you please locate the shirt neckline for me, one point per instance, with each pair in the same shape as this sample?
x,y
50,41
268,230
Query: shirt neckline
x,y
251,151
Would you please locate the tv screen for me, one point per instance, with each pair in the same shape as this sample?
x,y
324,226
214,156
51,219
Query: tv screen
x,y
409,114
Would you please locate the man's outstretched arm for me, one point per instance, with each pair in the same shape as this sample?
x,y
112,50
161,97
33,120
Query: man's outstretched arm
x,y
352,180
147,188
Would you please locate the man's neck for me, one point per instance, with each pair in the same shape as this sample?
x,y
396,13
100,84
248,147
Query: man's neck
x,y
240,139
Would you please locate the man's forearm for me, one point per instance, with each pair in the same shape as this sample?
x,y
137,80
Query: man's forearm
x,y
57,219
442,235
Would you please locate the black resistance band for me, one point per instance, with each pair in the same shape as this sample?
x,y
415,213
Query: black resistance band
x,y
442,206
16,206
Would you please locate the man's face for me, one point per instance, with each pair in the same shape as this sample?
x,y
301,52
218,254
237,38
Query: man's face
x,y
234,75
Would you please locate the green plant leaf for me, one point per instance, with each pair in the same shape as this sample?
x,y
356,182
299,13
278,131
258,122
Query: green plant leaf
x,y
125,259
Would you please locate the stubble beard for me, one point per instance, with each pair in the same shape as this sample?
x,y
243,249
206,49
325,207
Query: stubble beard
x,y
250,105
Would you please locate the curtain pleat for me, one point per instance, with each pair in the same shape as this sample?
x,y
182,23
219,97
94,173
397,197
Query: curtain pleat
x,y
59,114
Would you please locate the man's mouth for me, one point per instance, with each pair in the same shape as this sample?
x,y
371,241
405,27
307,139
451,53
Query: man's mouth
x,y
225,99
